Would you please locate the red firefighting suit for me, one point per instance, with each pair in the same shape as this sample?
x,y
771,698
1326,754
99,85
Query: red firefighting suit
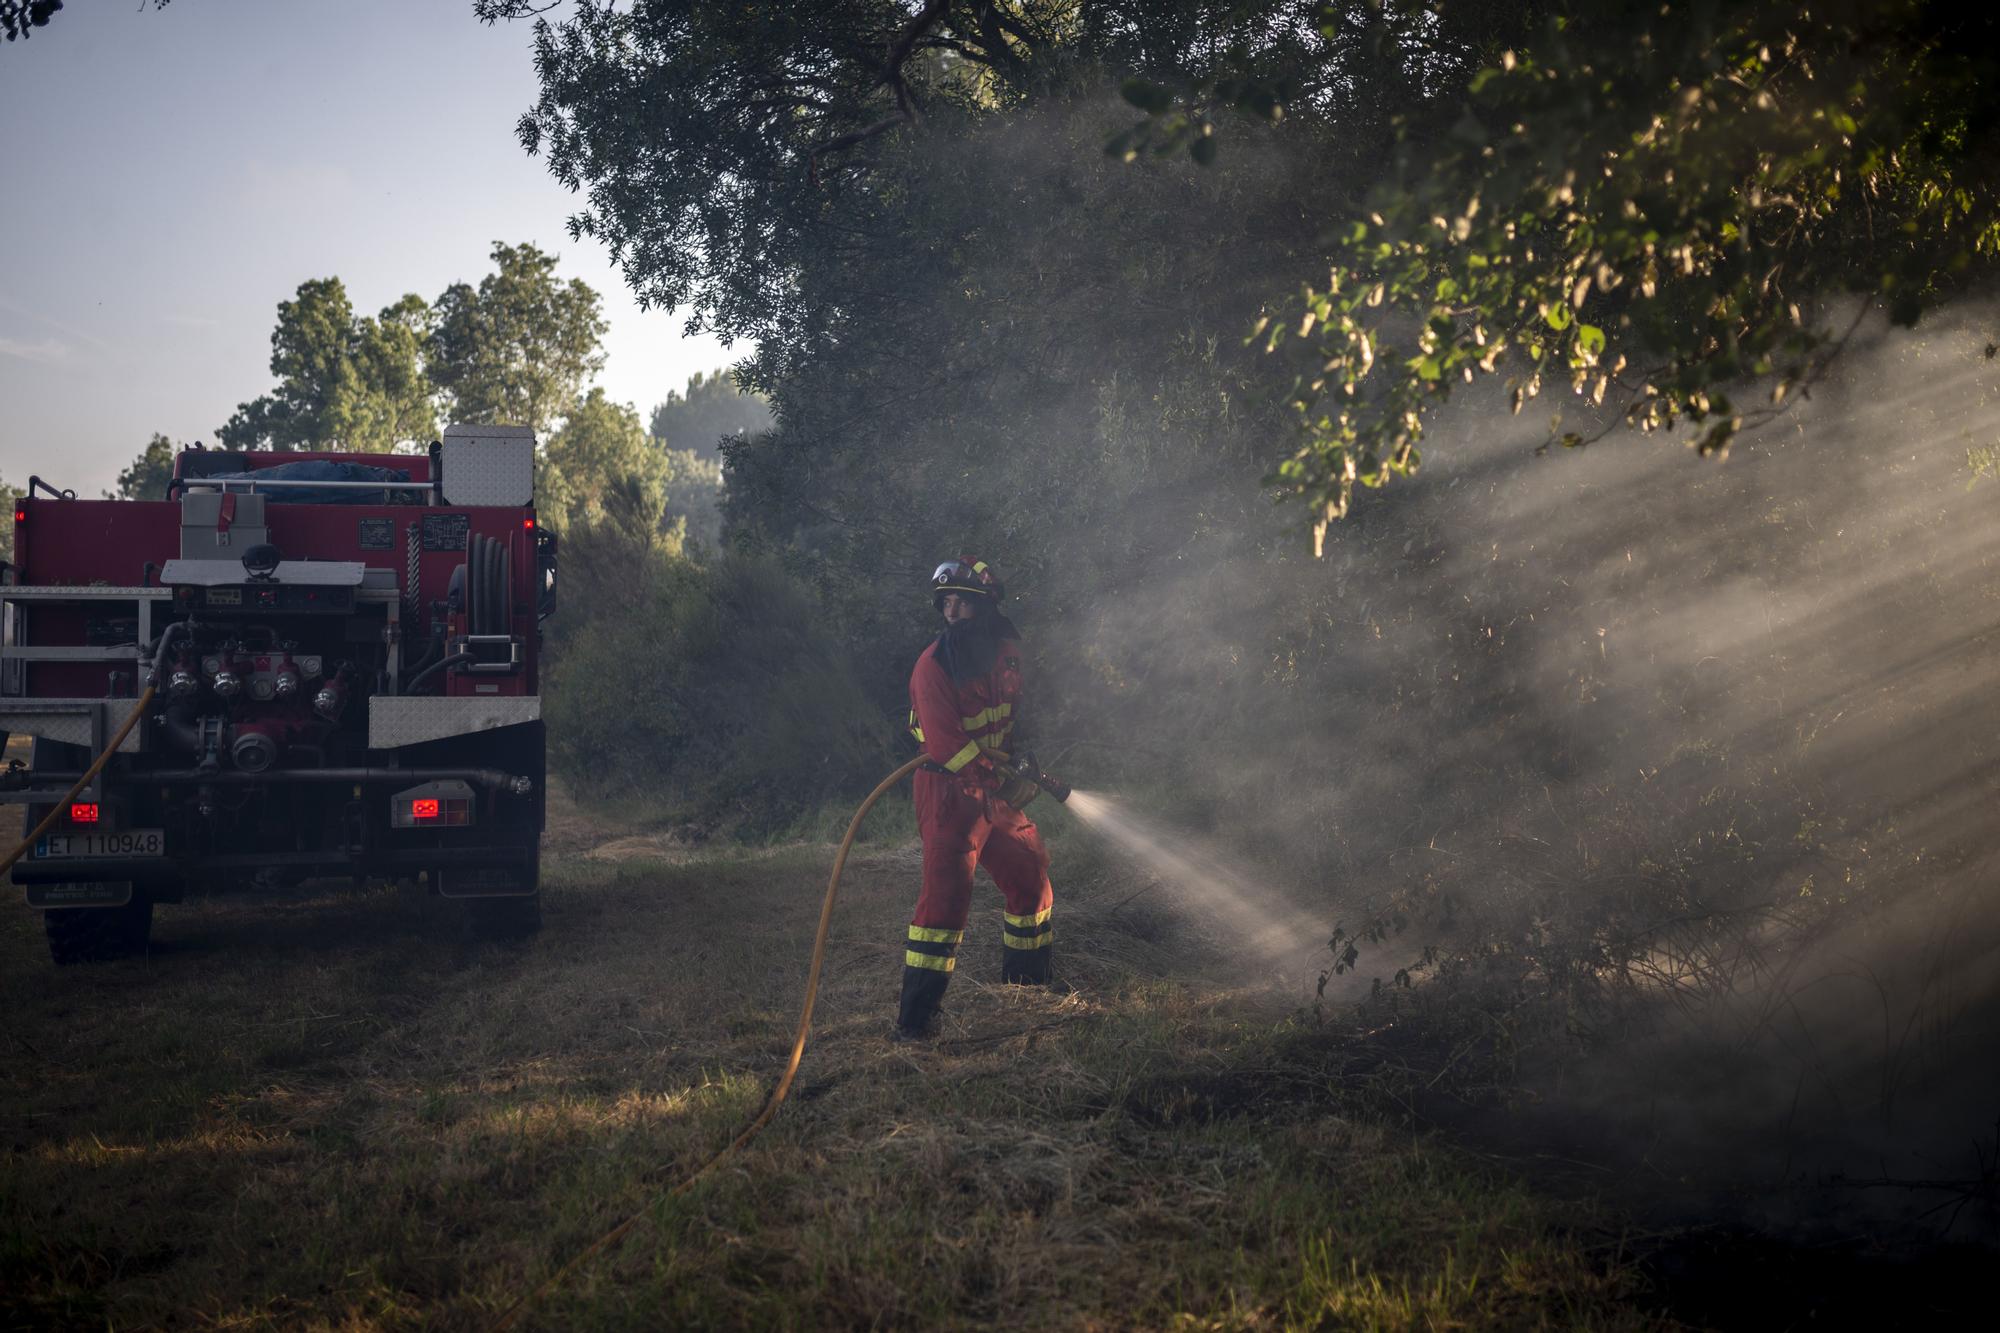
x,y
964,724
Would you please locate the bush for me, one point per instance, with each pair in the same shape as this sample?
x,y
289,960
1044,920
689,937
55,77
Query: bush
x,y
719,691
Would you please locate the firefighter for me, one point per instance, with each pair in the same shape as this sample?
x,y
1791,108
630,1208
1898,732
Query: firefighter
x,y
964,697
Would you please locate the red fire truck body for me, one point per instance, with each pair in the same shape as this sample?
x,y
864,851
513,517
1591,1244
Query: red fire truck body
x,y
343,653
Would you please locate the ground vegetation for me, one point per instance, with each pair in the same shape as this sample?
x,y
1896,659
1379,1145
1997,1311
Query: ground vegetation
x,y
367,1121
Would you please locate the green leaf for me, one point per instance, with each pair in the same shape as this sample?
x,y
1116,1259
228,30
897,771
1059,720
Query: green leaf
x,y
1556,315
1589,337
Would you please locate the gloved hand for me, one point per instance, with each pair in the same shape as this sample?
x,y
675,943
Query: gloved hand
x,y
1014,789
1017,791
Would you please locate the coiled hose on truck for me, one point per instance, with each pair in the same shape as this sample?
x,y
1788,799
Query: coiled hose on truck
x,y
783,1086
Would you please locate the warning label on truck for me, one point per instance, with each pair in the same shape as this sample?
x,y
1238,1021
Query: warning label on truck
x,y
378,534
446,532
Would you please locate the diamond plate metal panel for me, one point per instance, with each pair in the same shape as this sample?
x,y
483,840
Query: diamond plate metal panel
x,y
489,465
67,720
393,722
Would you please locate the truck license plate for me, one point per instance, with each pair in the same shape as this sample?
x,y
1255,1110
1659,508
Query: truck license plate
x,y
132,842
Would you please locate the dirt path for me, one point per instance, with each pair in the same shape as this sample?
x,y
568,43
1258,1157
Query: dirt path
x,y
332,1110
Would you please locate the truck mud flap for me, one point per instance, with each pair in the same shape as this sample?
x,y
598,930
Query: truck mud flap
x,y
515,880
89,893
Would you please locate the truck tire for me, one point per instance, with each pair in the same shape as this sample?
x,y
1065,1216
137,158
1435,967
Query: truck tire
x,y
98,934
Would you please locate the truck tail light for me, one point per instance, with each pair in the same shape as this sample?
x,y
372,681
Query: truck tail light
x,y
443,804
83,812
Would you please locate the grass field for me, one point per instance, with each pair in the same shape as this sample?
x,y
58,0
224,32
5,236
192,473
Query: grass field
x,y
332,1110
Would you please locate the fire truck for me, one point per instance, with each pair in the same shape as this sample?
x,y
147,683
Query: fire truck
x,y
333,659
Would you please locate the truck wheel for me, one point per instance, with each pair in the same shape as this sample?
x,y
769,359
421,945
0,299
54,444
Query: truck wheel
x,y
504,918
98,934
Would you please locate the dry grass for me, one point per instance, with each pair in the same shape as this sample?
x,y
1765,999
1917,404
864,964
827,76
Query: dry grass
x,y
332,1111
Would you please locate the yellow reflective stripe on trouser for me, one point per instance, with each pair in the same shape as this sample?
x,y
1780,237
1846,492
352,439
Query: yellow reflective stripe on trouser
x,y
1027,932
934,947
962,758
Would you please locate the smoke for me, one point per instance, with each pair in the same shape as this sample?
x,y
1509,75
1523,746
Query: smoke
x,y
1708,751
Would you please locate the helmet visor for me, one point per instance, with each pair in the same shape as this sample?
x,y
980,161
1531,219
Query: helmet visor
x,y
953,571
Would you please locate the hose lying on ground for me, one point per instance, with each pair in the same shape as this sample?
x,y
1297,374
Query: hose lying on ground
x,y
89,775
783,1086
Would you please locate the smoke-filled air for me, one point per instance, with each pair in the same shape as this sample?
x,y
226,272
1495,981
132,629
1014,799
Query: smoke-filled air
x,y
1427,577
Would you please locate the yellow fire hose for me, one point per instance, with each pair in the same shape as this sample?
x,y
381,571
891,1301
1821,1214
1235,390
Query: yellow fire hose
x,y
784,1084
48,820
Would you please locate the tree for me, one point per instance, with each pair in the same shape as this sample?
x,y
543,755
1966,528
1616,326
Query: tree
x,y
149,473
19,18
1654,204
600,465
712,407
8,495
694,493
518,347
1657,207
717,145
343,383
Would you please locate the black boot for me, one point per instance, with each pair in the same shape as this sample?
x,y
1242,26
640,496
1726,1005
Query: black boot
x,y
923,993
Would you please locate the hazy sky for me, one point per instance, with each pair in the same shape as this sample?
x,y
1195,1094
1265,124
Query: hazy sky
x,y
169,176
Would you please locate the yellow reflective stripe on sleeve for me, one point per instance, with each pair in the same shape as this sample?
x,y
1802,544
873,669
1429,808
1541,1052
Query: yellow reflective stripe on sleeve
x,y
1029,941
979,566
914,959
998,713
1025,921
962,758
918,732
936,935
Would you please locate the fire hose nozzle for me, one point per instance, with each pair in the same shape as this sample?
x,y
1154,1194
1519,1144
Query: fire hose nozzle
x,y
1026,770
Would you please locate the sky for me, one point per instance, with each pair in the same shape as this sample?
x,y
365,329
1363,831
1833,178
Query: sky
x,y
169,176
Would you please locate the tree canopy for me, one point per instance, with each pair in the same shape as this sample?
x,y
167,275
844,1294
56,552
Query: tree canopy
x,y
518,347
712,407
1651,205
343,382
8,494
601,464
147,476
1654,207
